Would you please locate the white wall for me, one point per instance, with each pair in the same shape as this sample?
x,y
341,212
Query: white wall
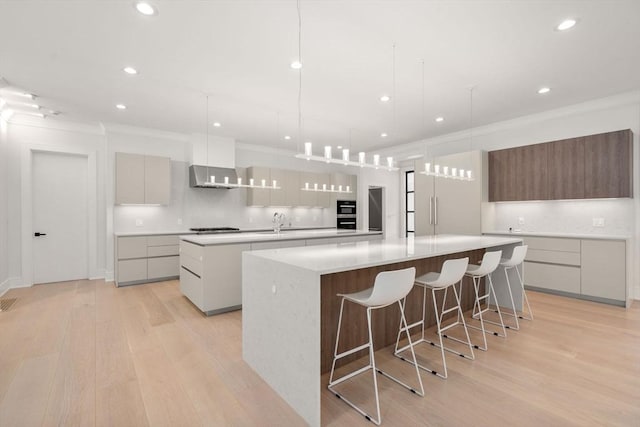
x,y
4,221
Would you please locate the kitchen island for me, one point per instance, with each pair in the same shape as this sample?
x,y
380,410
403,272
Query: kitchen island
x,y
290,306
211,264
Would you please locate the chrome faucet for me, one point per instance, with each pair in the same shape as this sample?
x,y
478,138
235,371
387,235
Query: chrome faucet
x,y
278,221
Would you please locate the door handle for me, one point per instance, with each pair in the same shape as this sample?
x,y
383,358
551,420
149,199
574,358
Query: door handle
x,y
435,210
37,234
431,210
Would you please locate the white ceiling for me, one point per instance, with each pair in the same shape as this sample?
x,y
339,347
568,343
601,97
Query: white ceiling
x,y
71,54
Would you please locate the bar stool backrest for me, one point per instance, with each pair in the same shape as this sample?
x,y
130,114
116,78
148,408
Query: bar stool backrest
x,y
519,253
452,272
490,262
391,286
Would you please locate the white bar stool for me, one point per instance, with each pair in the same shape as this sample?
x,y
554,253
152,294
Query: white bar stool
x,y
389,287
489,264
452,272
517,258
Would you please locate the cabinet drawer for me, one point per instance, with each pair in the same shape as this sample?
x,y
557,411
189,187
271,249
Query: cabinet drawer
x,y
552,244
132,247
555,277
163,250
553,257
163,240
194,251
191,286
163,267
131,270
191,264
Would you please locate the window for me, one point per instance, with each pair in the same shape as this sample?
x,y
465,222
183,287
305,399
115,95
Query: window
x,y
409,203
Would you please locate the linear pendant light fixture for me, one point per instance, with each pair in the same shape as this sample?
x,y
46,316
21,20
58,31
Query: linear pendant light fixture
x,y
328,158
442,171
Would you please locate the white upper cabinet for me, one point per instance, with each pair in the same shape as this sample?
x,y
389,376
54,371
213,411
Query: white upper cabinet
x,y
142,179
259,196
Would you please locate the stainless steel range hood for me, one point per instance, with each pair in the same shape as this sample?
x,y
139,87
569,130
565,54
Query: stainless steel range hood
x,y
200,176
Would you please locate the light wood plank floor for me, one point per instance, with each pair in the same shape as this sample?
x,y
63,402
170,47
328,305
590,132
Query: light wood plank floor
x,y
86,353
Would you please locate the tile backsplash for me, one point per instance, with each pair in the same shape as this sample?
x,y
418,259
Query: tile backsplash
x,y
605,216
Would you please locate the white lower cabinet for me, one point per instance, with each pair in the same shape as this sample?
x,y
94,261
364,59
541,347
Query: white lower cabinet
x,y
604,269
594,269
142,259
211,276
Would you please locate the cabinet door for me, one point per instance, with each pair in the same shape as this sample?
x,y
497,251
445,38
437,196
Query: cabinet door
x,y
132,270
157,180
604,270
129,178
168,266
608,169
308,198
132,247
531,172
279,197
323,200
292,191
258,196
344,180
458,203
423,203
565,163
502,175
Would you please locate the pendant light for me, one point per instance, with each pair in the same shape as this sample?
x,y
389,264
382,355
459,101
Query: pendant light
x,y
344,158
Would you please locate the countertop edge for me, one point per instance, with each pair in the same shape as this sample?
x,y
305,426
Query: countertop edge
x,y
238,238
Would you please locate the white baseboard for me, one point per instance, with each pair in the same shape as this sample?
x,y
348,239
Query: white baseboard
x,y
4,287
11,283
108,276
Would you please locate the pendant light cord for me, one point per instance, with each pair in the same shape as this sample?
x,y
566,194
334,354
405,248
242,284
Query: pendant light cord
x,y
394,88
299,77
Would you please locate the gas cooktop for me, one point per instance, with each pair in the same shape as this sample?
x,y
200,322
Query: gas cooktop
x,y
213,230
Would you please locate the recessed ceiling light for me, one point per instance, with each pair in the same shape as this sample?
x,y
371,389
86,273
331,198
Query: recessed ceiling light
x,y
146,8
566,24
130,70
544,90
296,65
383,135
216,124
385,98
121,106
28,95
439,119
36,106
339,147
287,137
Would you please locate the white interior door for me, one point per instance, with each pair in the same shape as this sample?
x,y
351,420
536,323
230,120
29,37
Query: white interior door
x,y
60,217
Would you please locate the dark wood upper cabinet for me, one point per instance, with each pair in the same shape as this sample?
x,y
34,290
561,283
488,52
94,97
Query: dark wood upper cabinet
x,y
565,166
589,167
532,176
609,165
502,175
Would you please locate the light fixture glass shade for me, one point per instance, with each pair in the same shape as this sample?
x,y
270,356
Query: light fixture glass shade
x,y
376,159
389,162
327,152
345,154
361,158
308,151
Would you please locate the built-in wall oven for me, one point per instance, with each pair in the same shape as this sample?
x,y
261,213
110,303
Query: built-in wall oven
x,y
346,214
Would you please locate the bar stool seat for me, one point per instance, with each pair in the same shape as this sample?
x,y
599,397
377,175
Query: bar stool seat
x,y
452,272
389,287
489,264
517,258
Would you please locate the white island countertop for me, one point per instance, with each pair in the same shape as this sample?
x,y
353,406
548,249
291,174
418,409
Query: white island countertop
x,y
336,257
267,236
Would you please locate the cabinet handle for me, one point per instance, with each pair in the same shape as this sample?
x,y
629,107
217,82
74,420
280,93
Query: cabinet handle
x,y
430,210
435,210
